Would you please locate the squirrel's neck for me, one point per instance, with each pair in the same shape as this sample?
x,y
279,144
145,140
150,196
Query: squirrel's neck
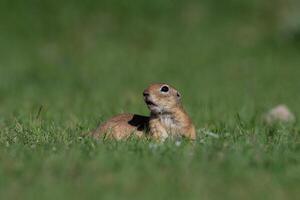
x,y
177,117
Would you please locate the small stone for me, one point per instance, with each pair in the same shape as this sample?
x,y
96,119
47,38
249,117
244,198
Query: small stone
x,y
279,114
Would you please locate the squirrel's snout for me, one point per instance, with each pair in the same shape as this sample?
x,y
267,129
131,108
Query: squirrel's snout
x,y
146,93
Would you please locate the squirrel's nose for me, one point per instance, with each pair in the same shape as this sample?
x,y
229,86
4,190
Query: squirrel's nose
x,y
146,93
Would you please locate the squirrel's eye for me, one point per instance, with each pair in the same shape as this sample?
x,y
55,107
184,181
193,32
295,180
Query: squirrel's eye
x,y
164,89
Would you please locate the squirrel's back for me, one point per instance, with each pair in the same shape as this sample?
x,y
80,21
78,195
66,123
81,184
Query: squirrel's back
x,y
122,126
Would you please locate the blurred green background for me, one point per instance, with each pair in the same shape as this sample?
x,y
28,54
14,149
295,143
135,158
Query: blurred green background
x,y
65,66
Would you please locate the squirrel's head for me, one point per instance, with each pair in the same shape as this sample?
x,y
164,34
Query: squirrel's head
x,y
161,98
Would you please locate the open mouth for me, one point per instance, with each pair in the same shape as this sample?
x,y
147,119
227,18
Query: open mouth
x,y
150,103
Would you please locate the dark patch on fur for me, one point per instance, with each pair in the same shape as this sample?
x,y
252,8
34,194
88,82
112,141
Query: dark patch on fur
x,y
139,121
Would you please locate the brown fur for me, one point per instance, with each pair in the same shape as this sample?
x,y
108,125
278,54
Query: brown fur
x,y
167,118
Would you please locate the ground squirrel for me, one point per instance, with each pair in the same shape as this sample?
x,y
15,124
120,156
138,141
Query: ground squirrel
x,y
167,118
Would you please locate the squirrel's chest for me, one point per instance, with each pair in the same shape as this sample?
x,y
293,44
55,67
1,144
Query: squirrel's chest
x,y
164,126
169,122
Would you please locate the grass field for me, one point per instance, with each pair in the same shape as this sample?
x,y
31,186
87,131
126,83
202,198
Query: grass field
x,y
67,66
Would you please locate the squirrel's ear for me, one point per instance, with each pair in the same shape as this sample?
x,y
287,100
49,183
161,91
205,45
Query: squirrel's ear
x,y
178,95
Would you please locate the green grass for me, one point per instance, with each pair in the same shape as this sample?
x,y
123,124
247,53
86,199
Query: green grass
x,y
67,66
